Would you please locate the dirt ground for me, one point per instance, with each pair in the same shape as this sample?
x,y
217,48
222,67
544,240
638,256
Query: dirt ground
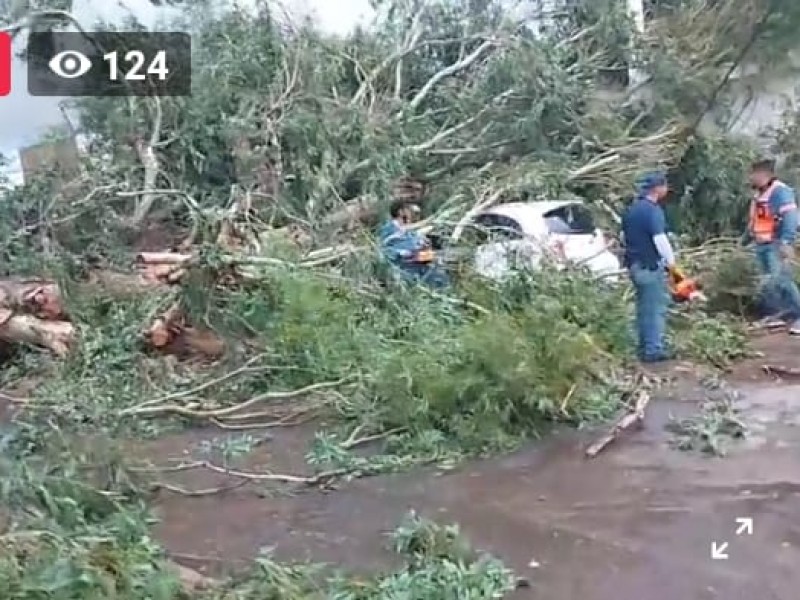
x,y
638,521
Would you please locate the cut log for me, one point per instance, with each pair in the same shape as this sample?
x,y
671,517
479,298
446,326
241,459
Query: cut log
x,y
158,272
195,342
37,297
176,275
162,273
171,334
163,267
57,336
121,285
163,258
166,327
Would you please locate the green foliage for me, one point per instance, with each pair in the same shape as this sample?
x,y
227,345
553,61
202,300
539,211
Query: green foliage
x,y
713,195
717,340
607,27
438,565
424,363
104,373
714,427
65,538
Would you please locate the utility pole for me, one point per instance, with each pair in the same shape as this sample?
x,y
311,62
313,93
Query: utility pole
x,y
73,133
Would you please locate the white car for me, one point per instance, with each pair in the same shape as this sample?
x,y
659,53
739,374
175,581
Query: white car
x,y
524,233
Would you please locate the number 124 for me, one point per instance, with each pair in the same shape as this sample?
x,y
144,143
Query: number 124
x,y
137,70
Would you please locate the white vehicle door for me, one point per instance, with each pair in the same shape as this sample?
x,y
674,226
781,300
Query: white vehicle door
x,y
501,246
574,235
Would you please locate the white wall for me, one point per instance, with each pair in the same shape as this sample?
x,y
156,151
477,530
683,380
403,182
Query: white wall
x,y
761,103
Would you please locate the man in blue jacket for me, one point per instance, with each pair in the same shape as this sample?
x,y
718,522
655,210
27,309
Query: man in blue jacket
x,y
649,257
772,227
407,250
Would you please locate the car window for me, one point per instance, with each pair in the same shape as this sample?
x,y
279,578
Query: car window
x,y
501,228
488,227
571,218
505,229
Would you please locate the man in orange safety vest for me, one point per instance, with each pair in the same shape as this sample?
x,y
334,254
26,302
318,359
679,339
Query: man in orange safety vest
x,y
772,227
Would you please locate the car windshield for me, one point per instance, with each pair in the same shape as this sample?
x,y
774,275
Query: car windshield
x,y
570,219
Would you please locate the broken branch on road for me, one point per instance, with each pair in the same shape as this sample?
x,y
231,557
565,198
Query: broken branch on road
x,y
634,417
230,411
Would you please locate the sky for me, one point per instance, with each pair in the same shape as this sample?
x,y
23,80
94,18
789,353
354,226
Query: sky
x,y
24,118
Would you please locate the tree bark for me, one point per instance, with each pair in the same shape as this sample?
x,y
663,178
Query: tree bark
x,y
125,285
170,333
166,327
38,297
57,336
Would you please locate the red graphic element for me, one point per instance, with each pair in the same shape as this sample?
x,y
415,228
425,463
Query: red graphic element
x,y
5,64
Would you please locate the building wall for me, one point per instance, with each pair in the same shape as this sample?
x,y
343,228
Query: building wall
x,y
761,103
51,157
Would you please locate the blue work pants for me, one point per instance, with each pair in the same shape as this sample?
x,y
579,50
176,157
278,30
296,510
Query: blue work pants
x,y
779,281
652,303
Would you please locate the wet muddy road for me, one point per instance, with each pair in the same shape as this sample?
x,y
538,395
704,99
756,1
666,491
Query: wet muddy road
x,y
637,522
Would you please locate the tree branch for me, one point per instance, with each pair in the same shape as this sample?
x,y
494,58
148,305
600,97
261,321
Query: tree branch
x,y
147,155
445,133
449,71
412,39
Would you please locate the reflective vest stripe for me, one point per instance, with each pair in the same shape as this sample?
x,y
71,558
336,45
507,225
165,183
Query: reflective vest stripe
x,y
762,221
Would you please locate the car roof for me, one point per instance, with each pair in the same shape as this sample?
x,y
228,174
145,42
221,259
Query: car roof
x,y
522,211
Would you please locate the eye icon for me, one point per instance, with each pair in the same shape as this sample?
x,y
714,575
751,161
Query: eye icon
x,y
70,64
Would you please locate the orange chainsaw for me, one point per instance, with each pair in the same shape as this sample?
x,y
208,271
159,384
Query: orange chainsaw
x,y
682,288
426,255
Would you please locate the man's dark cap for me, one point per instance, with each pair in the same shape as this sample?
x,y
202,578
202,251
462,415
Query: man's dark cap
x,y
651,180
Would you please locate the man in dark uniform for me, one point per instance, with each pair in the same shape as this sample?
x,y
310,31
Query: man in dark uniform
x,y
649,258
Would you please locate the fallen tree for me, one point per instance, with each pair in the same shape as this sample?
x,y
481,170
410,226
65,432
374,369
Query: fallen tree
x,y
271,178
